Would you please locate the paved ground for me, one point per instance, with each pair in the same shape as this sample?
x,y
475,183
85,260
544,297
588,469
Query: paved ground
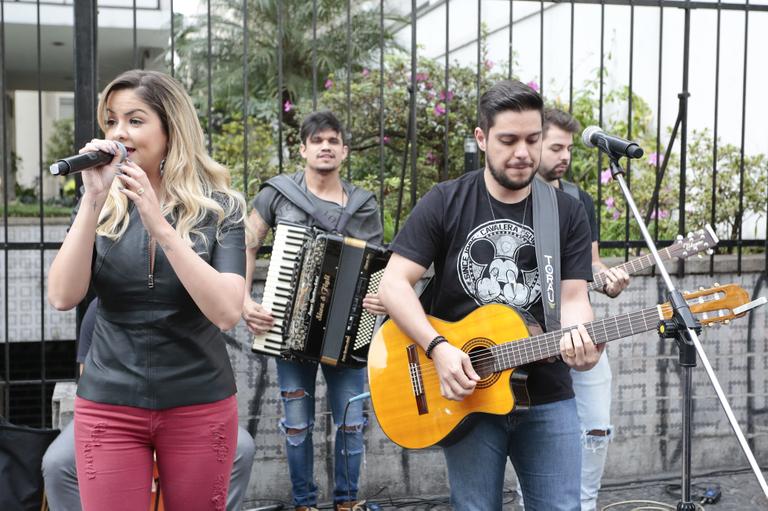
x,y
740,491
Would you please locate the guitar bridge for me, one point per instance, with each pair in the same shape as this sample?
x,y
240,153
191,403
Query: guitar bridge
x,y
417,383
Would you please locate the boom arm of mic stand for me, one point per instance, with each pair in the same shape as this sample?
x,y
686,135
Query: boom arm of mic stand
x,y
690,335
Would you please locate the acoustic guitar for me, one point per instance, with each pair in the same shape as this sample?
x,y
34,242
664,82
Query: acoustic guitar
x,y
703,240
405,388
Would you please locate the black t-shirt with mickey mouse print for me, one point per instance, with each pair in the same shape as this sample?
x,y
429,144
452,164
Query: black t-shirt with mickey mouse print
x,y
483,257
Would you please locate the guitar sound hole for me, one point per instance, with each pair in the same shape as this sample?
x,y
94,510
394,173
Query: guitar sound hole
x,y
482,361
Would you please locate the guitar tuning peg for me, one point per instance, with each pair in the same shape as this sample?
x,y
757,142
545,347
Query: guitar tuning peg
x,y
679,237
690,235
717,284
726,321
710,251
700,256
701,288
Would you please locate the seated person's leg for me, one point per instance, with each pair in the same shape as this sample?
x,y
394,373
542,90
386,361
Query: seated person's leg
x,y
60,474
241,469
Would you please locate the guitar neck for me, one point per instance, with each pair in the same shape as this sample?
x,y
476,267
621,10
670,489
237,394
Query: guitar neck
x,y
631,267
543,346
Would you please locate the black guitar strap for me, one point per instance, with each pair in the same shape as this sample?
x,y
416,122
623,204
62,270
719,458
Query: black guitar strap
x,y
301,198
546,227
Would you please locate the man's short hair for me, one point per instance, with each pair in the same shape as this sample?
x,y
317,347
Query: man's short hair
x,y
319,121
507,95
561,119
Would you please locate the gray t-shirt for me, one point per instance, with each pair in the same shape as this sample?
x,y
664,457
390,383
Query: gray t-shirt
x,y
365,224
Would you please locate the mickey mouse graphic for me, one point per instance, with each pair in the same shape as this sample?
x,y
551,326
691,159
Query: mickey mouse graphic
x,y
489,265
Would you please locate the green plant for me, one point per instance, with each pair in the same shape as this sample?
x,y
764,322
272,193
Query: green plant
x,y
228,145
20,209
228,47
376,162
728,216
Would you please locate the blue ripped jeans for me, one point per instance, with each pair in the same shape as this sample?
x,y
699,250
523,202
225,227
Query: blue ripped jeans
x,y
297,389
593,401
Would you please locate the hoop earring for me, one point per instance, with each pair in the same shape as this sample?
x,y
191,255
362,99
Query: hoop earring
x,y
162,167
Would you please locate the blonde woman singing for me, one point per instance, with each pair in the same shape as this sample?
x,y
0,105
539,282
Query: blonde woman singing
x,y
160,237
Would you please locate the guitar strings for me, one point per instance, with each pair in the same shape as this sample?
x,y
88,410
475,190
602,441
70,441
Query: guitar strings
x,y
621,323
548,344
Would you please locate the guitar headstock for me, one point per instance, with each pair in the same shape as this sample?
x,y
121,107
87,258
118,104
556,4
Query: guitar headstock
x,y
696,242
718,304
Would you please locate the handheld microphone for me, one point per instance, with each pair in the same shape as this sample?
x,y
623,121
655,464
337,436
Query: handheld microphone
x,y
617,147
85,161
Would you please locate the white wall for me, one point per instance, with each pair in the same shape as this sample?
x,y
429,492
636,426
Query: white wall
x,y
26,127
112,13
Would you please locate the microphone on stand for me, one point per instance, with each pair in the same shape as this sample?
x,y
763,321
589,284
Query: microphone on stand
x,y
615,147
85,161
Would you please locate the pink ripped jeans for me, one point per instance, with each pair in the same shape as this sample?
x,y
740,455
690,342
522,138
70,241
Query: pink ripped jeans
x,y
195,446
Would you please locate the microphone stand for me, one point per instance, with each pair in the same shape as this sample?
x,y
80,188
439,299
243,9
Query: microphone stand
x,y
685,328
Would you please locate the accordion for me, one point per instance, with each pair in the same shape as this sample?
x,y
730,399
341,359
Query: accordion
x,y
315,287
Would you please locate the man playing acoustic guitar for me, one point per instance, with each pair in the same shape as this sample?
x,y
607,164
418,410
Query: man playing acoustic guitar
x,y
593,387
489,236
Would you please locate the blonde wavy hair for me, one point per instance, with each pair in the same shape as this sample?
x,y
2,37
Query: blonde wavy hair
x,y
191,178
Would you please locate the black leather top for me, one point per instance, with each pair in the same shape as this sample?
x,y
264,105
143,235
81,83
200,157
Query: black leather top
x,y
152,347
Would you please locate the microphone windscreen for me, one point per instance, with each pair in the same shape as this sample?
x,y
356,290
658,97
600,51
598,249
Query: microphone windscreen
x,y
586,135
123,151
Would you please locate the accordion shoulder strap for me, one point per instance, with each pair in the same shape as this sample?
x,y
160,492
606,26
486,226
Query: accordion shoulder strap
x,y
301,198
357,198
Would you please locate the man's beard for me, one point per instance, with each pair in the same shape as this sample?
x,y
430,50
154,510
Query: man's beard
x,y
551,174
507,183
326,170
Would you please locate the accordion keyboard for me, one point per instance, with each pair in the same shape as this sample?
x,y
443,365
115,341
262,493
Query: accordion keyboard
x,y
286,247
367,320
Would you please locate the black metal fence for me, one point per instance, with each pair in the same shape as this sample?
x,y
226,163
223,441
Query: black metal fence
x,y
32,363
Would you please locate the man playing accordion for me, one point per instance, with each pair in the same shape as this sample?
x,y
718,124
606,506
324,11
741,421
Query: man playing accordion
x,y
331,202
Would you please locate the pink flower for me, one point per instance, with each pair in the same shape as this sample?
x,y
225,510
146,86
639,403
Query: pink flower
x,y
386,139
533,85
605,176
420,77
663,213
609,202
655,159
366,71
431,159
428,85
287,106
439,109
328,83
446,95
489,65
616,214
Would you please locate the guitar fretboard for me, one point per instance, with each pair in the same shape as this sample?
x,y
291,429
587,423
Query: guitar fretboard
x,y
633,266
543,346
